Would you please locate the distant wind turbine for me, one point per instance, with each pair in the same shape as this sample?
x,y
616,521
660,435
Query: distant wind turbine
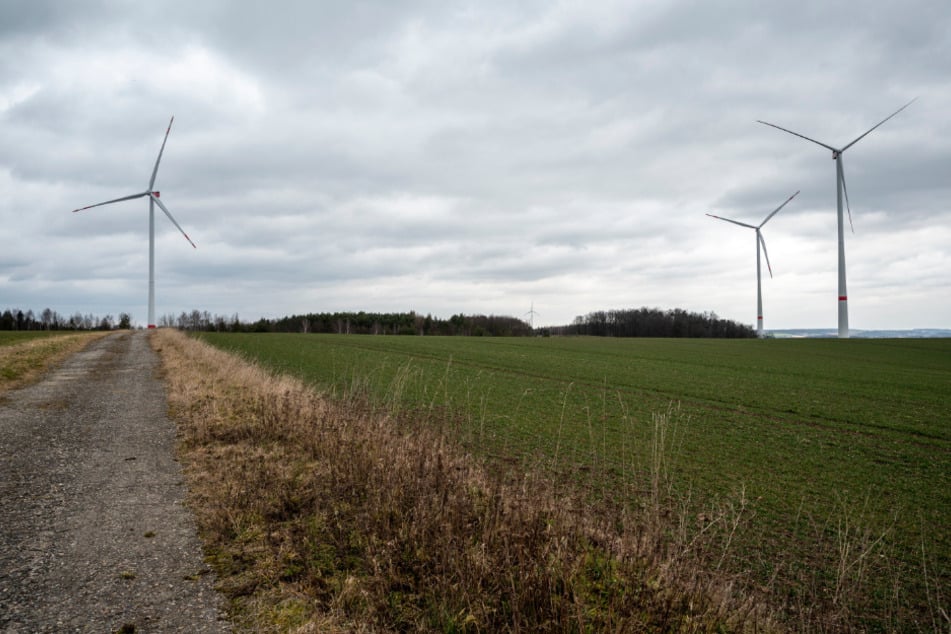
x,y
531,313
759,241
840,190
153,200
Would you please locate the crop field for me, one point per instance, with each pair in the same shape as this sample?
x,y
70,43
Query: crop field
x,y
841,447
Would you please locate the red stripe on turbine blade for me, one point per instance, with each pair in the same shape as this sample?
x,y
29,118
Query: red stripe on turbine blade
x,y
843,298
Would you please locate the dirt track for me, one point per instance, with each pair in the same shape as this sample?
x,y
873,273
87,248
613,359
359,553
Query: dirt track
x,y
94,536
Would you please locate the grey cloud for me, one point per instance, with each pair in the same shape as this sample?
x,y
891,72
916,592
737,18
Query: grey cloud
x,y
326,154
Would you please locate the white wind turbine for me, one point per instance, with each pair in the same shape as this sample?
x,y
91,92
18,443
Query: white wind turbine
x,y
153,200
840,190
531,319
759,241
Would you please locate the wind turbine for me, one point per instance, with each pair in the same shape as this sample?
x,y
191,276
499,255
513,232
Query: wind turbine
x,y
531,319
840,190
153,200
759,241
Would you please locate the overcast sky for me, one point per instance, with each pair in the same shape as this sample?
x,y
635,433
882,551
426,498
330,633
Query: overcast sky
x,y
476,157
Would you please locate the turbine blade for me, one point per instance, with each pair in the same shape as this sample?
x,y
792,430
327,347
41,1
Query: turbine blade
x,y
762,241
776,211
878,124
109,202
169,214
158,160
845,190
801,136
736,222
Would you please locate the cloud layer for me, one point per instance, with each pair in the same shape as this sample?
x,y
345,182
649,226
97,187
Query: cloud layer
x,y
450,157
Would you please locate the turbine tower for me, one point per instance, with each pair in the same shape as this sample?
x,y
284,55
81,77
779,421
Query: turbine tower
x,y
759,241
840,191
153,200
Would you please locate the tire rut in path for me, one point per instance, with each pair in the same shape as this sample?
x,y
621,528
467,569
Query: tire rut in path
x,y
94,536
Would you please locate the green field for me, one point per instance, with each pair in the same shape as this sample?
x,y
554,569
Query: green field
x,y
822,434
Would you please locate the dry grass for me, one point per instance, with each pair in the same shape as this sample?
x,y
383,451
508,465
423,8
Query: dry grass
x,y
322,515
24,363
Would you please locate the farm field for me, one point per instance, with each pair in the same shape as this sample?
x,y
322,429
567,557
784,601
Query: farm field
x,y
835,443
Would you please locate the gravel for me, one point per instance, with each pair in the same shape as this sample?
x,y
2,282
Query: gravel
x,y
94,536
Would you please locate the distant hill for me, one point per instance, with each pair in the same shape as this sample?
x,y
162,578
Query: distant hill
x,y
915,333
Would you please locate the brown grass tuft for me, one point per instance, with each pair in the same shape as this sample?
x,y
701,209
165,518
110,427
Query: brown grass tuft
x,y
322,515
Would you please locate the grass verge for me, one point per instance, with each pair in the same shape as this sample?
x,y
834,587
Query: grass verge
x,y
327,515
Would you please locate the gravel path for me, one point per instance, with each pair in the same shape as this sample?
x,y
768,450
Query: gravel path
x,y
93,533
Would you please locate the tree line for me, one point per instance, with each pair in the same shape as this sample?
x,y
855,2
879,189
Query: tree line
x,y
357,323
654,322
48,319
638,322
